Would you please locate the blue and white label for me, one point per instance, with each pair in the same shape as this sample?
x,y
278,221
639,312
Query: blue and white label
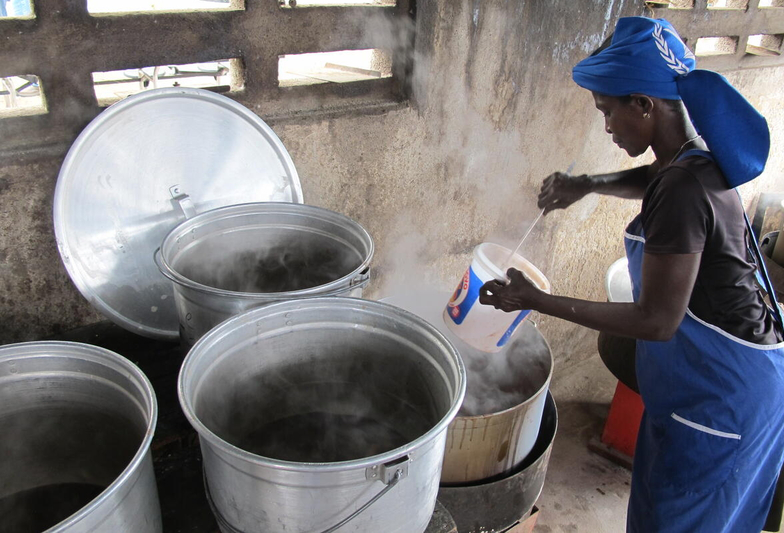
x,y
465,296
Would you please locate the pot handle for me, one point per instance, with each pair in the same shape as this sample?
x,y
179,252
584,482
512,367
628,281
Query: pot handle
x,y
183,201
389,473
362,279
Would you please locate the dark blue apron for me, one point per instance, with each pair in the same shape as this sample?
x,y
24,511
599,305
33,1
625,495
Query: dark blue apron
x,y
711,440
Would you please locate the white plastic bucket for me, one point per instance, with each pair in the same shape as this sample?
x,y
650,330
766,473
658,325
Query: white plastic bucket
x,y
482,326
498,422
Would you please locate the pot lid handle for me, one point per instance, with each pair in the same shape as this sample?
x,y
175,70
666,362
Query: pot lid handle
x,y
183,201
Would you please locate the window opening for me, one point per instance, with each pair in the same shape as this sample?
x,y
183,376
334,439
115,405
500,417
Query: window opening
x,y
764,45
728,4
716,46
681,4
137,6
771,3
223,76
312,3
15,8
671,4
334,67
21,95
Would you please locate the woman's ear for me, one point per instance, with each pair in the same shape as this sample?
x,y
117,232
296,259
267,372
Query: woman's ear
x,y
644,103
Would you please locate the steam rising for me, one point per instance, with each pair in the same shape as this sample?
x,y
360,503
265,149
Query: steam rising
x,y
323,437
473,175
317,398
477,162
500,381
40,508
494,381
294,264
58,454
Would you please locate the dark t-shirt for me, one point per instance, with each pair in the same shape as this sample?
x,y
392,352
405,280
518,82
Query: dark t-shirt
x,y
688,208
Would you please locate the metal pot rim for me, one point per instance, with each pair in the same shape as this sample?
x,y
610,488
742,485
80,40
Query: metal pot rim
x,y
326,289
215,335
533,397
94,354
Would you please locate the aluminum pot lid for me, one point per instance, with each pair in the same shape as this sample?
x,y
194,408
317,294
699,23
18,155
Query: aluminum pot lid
x,y
139,169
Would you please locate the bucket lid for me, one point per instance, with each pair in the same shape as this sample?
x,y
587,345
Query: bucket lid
x,y
139,169
617,282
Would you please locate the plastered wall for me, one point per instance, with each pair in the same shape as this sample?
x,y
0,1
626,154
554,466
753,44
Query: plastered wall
x,y
493,112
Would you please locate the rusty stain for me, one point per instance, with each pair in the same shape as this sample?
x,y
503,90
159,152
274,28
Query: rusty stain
x,y
462,438
503,451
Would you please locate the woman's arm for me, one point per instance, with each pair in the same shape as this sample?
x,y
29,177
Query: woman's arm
x,y
667,283
625,183
561,190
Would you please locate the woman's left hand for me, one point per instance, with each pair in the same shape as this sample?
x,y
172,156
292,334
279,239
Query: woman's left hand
x,y
516,295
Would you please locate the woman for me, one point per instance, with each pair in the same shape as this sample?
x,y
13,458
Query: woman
x,y
710,357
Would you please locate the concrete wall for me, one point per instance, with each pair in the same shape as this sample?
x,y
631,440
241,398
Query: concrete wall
x,y
494,111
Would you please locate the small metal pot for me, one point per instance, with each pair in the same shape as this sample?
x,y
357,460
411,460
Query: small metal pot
x,y
78,421
231,259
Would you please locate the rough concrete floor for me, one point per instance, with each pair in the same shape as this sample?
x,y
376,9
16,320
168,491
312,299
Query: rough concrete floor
x,y
583,492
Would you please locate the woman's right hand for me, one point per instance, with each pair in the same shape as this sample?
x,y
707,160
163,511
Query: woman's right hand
x,y
560,190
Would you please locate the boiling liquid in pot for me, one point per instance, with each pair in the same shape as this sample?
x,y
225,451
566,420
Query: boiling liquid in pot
x,y
38,509
72,451
299,414
285,267
320,437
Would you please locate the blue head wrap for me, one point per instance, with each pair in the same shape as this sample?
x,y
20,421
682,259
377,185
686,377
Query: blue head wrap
x,y
648,57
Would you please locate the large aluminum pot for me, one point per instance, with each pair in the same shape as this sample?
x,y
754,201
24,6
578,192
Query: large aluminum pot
x,y
231,259
322,413
77,423
498,423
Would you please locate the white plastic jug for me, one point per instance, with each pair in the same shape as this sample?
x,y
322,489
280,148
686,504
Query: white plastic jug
x,y
482,326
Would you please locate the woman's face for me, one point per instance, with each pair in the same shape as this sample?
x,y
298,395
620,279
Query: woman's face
x,y
624,120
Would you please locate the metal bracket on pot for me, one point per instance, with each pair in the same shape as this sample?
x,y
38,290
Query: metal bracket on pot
x,y
387,471
182,200
389,474
362,278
